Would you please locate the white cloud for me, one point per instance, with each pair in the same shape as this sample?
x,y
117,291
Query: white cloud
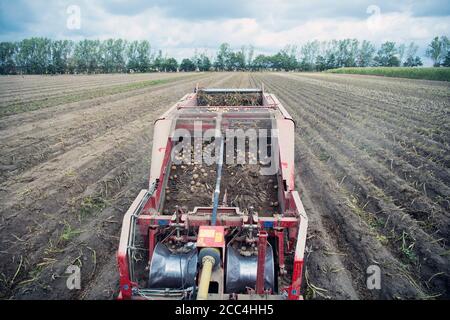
x,y
173,35
269,26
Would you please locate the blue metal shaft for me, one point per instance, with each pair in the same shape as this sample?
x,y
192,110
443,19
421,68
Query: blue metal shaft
x,y
217,189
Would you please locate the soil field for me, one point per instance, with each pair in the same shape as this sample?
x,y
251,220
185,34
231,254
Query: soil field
x,y
372,159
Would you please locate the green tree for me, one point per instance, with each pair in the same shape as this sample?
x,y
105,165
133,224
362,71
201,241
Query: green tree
x,y
113,55
446,62
347,52
223,57
133,56
7,57
144,56
321,63
387,55
284,59
412,60
61,51
241,59
187,65
365,54
204,63
89,57
401,50
235,61
170,65
158,63
289,60
308,54
34,55
330,50
261,62
437,50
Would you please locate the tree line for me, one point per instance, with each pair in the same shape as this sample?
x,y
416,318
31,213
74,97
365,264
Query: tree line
x,y
46,56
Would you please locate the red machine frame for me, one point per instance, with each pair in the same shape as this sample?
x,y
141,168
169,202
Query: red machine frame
x,y
143,213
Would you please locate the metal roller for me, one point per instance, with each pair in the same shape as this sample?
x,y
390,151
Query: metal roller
x,y
173,271
241,271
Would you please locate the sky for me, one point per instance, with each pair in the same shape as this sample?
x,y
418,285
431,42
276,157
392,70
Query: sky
x,y
181,27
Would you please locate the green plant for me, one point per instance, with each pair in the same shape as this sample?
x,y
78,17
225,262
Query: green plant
x,y
68,232
90,205
407,247
441,74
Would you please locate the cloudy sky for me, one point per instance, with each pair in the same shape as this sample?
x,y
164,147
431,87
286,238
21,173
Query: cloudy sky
x,y
180,27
